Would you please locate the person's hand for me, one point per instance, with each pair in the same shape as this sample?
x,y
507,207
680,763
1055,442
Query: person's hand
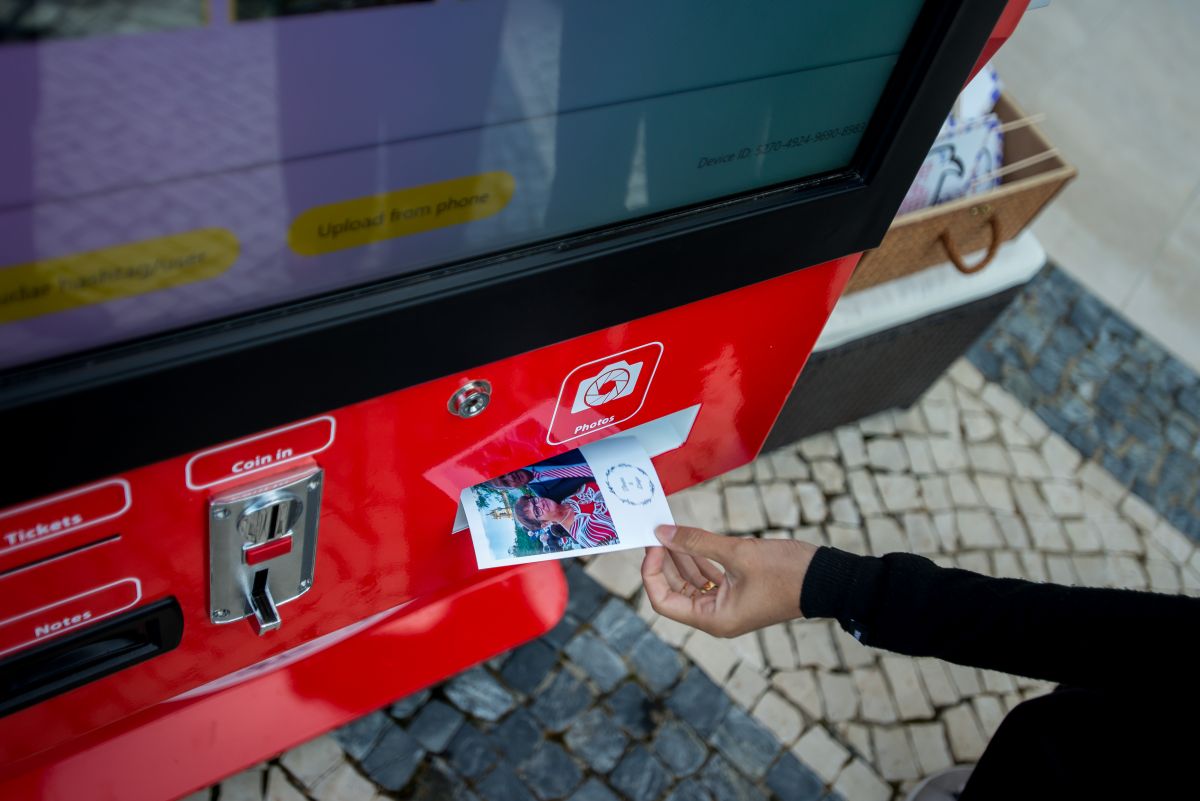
x,y
760,584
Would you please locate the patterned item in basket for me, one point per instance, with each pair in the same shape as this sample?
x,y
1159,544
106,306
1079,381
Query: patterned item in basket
x,y
963,161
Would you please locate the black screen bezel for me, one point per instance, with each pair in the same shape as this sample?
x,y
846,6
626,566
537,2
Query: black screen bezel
x,y
121,407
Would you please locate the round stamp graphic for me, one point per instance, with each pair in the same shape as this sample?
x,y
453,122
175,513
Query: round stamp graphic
x,y
630,484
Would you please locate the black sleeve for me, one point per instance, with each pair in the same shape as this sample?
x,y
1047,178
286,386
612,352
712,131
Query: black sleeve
x,y
1083,637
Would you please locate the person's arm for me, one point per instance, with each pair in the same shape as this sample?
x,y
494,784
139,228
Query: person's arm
x,y
905,603
1083,637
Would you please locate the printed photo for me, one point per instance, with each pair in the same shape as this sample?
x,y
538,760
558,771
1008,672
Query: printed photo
x,y
586,500
548,507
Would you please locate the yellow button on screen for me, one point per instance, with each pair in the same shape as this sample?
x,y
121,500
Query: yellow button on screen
x,y
374,218
121,271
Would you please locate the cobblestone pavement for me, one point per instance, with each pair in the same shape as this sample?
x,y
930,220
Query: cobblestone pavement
x,y
618,703
1111,391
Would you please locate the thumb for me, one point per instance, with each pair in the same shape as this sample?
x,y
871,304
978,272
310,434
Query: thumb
x,y
697,542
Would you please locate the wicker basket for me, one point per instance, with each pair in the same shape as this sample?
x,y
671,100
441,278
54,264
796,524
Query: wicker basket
x,y
945,232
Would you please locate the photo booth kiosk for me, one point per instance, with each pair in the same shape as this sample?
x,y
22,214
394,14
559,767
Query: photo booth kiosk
x,y
279,279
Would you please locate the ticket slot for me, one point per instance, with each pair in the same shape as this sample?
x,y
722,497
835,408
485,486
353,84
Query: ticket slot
x,y
34,675
62,523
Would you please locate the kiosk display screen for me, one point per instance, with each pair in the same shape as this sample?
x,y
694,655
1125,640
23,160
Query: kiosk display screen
x,y
165,163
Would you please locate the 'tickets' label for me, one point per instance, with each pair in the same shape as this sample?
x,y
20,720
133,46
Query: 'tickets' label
x,y
63,514
41,530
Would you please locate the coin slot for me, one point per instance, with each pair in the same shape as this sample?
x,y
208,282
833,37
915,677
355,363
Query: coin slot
x,y
265,613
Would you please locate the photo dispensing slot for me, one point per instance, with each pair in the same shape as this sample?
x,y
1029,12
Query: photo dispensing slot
x,y
656,437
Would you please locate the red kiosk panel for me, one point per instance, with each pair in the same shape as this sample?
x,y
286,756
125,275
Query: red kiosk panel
x,y
181,188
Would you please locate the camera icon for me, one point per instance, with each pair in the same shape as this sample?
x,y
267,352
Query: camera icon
x,y
613,381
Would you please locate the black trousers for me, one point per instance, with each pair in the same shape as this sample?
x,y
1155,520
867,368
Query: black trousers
x,y
1077,743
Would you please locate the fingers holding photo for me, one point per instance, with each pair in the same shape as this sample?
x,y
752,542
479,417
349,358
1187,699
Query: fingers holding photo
x,y
696,542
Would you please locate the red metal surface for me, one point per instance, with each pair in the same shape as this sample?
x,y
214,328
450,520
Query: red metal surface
x,y
176,747
66,615
397,602
1005,27
393,468
55,523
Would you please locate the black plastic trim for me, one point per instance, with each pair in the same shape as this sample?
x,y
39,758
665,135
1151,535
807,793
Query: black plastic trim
x,y
889,369
99,650
127,406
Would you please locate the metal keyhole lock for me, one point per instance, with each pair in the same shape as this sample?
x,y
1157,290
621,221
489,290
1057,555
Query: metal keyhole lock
x,y
470,399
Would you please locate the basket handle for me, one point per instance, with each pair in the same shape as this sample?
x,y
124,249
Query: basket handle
x,y
956,255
